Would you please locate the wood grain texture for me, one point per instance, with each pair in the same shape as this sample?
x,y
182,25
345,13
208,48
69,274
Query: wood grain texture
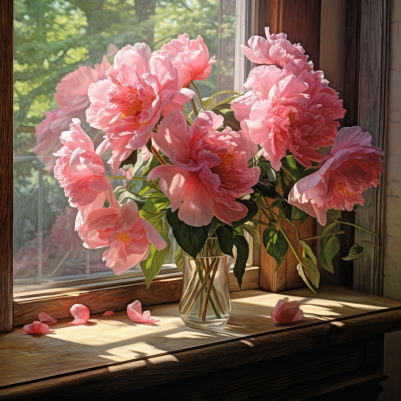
x,y
116,356
6,164
372,108
286,277
116,298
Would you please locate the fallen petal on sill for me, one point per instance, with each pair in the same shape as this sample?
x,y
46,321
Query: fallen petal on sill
x,y
37,328
46,318
108,313
80,313
287,311
134,312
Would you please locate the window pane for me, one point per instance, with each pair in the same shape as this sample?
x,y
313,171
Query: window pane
x,y
53,38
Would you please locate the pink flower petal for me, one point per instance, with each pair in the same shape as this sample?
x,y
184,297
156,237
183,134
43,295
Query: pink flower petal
x,y
80,313
37,328
46,318
108,313
134,312
287,311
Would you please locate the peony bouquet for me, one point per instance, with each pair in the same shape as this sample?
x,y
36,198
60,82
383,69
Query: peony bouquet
x,y
209,168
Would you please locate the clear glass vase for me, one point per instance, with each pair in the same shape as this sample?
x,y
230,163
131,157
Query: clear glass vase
x,y
205,298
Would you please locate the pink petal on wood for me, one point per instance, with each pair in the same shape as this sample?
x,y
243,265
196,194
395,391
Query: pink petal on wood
x,y
134,312
108,313
287,311
37,328
80,313
46,318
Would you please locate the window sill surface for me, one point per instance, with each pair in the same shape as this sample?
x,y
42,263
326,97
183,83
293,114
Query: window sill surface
x,y
111,346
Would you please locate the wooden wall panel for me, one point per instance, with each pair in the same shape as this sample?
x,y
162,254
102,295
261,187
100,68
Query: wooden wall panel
x,y
6,164
372,104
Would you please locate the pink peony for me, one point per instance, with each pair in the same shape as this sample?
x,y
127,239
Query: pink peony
x,y
79,169
46,318
80,313
128,236
210,168
193,55
134,312
289,109
287,311
128,104
352,167
72,99
37,328
275,49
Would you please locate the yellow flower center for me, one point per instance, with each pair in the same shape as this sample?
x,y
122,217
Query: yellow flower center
x,y
340,187
291,117
123,237
135,108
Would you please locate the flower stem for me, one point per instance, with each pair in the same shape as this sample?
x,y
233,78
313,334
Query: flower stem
x,y
198,93
194,107
291,246
319,236
122,177
157,155
356,225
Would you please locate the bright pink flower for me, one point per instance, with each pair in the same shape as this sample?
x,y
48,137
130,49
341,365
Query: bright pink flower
x,y
108,313
275,49
37,328
128,236
79,169
287,311
289,109
80,313
46,318
352,167
134,312
194,56
210,169
128,104
72,99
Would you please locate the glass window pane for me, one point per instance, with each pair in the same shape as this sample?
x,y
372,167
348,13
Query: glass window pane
x,y
53,38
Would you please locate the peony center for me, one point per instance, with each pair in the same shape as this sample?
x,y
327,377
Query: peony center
x,y
292,117
135,106
226,160
340,187
123,237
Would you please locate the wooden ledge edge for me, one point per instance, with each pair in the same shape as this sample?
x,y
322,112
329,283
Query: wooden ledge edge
x,y
234,353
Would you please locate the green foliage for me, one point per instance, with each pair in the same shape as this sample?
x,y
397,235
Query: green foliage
x,y
357,250
252,211
275,243
298,214
304,278
225,235
242,246
328,248
190,239
179,260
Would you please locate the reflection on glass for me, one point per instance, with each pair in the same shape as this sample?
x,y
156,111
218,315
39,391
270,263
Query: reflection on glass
x,y
61,47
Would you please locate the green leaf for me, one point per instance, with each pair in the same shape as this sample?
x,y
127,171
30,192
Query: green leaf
x,y
223,104
275,244
153,208
357,250
304,278
122,195
229,119
225,235
325,263
331,250
190,239
131,159
153,162
313,271
252,211
152,265
213,225
179,260
253,231
242,256
298,214
208,101
136,166
306,249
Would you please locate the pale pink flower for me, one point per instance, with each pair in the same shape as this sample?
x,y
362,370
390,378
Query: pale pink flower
x,y
138,90
210,168
287,311
289,109
134,312
352,167
80,313
127,173
72,99
194,56
127,235
79,169
37,328
46,318
108,313
275,49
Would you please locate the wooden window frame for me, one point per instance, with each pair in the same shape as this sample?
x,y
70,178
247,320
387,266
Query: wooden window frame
x,y
97,296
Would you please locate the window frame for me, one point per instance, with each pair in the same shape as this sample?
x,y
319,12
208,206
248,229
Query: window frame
x,y
98,296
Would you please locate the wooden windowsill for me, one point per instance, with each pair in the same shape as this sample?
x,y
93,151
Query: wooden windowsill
x,y
113,353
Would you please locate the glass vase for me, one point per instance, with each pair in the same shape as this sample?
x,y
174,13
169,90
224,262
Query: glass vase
x,y
205,298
